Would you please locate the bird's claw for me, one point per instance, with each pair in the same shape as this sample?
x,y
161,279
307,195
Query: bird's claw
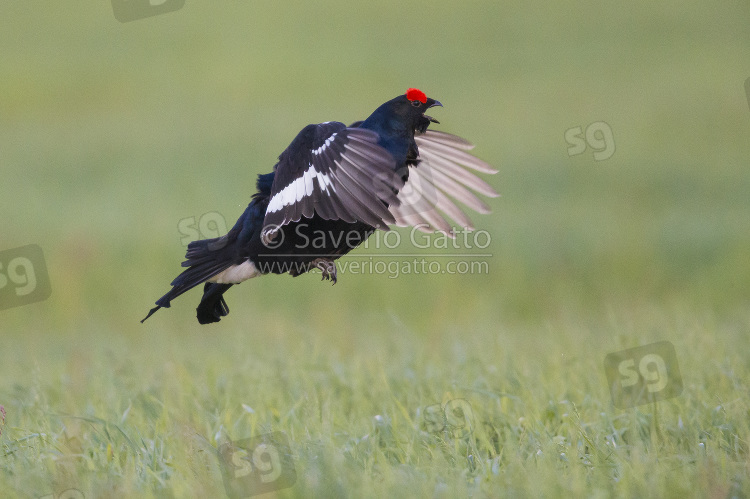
x,y
327,269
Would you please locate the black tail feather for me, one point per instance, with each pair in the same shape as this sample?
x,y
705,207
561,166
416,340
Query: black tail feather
x,y
212,306
203,262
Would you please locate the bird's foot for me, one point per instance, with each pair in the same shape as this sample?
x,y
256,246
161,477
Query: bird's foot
x,y
327,268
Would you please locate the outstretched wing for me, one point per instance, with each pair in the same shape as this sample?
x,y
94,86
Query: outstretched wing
x,y
442,175
337,173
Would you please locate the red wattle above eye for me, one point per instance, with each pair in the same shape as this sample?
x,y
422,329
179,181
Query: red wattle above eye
x,y
416,94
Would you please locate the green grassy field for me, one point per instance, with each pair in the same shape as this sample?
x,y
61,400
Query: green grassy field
x,y
113,133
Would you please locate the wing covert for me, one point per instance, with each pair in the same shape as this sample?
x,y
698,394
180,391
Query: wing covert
x,y
337,173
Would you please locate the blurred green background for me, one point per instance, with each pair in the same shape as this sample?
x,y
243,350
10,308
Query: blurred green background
x,y
111,133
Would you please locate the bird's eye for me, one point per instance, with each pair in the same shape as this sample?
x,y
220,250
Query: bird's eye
x,y
415,103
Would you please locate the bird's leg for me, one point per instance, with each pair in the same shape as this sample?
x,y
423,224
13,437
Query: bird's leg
x,y
327,268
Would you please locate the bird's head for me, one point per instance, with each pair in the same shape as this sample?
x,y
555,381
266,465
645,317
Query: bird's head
x,y
412,105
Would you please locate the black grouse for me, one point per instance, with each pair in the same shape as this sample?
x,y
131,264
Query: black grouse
x,y
342,183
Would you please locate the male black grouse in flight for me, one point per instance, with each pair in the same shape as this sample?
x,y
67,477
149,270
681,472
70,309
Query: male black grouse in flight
x,y
341,182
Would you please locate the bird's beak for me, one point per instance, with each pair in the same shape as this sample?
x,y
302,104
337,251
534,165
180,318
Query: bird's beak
x,y
435,103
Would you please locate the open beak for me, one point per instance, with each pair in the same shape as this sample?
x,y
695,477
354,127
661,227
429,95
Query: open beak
x,y
436,103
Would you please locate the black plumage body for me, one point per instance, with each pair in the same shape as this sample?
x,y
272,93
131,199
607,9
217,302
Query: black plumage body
x,y
308,240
